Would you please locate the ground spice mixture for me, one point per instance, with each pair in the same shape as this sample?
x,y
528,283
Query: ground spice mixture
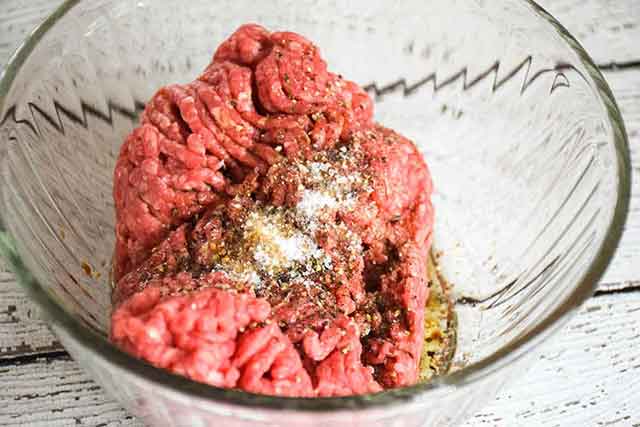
x,y
270,236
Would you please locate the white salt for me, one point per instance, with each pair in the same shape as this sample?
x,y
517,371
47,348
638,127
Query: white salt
x,y
312,202
277,248
296,248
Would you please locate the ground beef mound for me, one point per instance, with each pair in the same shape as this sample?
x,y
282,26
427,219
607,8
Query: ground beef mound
x,y
269,235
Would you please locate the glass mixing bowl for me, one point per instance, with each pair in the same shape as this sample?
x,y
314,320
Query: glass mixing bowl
x,y
525,143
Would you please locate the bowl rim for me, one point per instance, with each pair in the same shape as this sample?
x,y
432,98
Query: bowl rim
x,y
99,346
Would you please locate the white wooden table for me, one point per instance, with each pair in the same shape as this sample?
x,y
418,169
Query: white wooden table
x,y
588,376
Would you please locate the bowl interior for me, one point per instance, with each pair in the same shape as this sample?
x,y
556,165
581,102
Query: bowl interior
x,y
509,120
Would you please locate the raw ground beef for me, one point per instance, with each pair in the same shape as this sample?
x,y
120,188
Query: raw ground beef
x,y
197,140
270,236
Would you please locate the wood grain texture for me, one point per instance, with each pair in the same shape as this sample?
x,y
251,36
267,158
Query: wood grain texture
x,y
22,333
608,29
17,19
55,392
587,376
623,271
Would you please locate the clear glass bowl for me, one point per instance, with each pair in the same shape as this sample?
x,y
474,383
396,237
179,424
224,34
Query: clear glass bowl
x,y
525,142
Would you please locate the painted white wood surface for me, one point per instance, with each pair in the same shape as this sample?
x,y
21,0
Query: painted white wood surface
x,y
588,376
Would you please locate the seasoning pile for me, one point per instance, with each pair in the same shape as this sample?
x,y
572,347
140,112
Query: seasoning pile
x,y
270,236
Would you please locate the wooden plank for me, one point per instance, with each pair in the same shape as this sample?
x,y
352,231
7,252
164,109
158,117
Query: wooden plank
x,y
17,19
588,375
22,333
56,392
608,29
623,269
